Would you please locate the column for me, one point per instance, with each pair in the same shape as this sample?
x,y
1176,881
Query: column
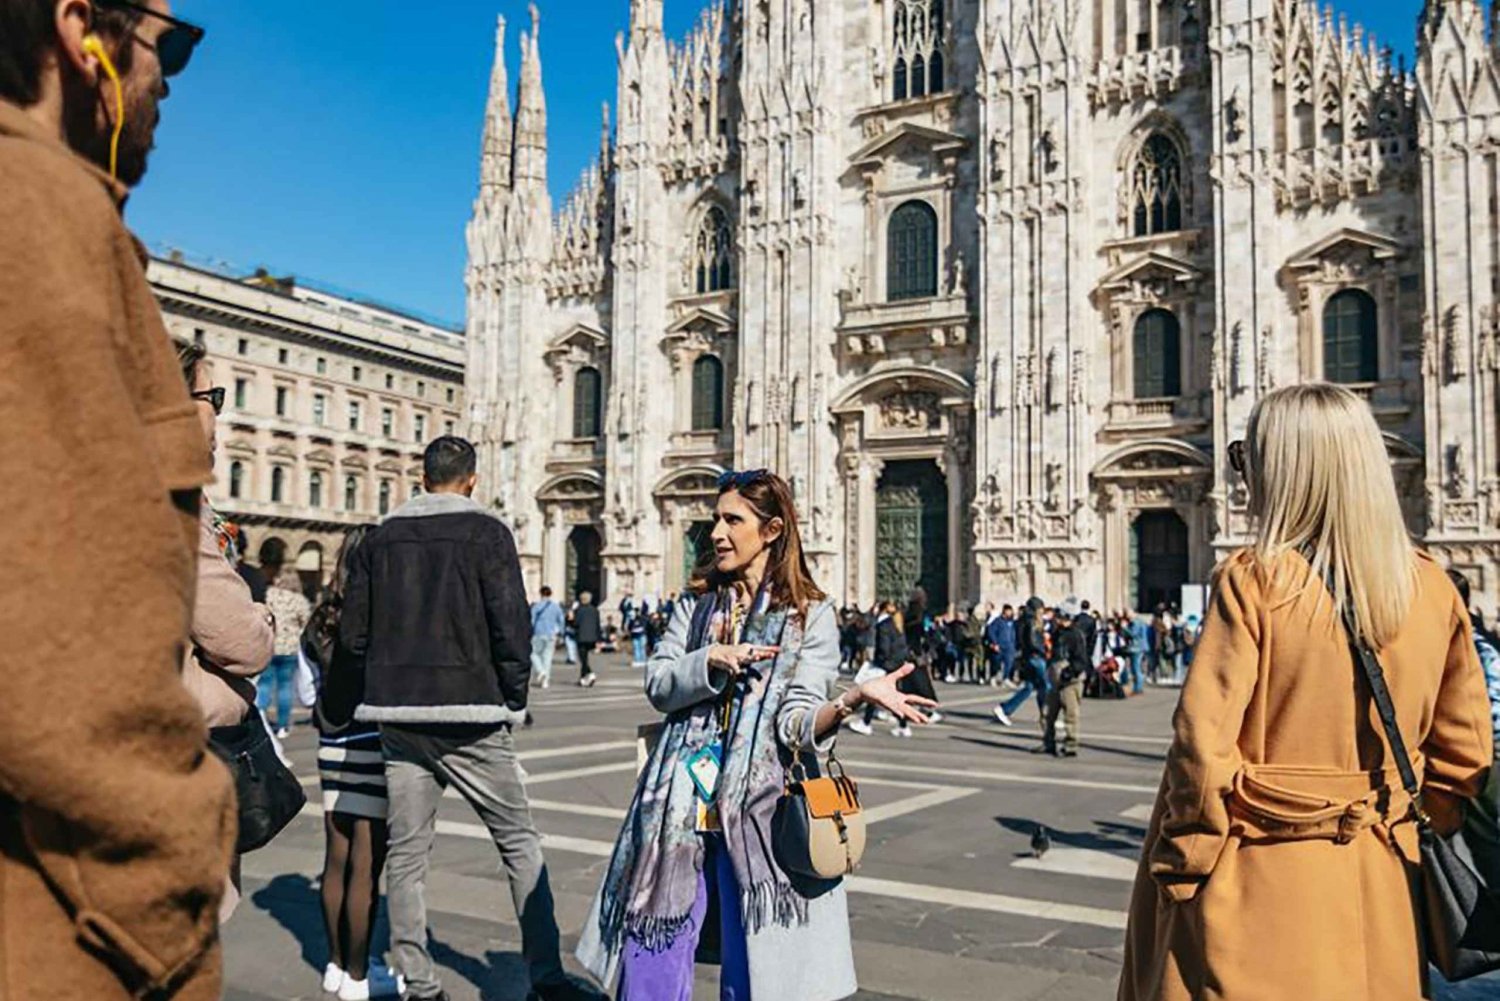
x,y
864,552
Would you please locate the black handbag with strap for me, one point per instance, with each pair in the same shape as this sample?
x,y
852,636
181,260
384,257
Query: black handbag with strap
x,y
267,793
1458,914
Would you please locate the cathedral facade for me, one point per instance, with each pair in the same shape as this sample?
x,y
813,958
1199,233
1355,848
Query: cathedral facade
x,y
992,283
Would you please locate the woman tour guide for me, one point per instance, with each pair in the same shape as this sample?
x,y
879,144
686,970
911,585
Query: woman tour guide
x,y
744,674
1282,853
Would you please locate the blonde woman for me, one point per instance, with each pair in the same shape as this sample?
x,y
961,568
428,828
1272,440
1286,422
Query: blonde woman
x,y
1279,856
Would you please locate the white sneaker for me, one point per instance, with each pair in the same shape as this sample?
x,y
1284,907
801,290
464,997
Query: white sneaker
x,y
860,727
546,683
934,717
949,679
1003,719
900,731
379,984
283,733
333,979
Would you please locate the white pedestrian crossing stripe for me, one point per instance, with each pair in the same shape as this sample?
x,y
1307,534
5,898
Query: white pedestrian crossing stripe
x,y
1082,862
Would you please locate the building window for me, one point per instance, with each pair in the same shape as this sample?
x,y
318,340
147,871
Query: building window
x,y
421,388
200,336
911,251
1351,344
1158,356
388,422
712,252
587,389
315,489
420,428
322,366
450,394
708,394
281,356
351,493
385,497
416,489
919,45
353,415
320,409
448,428
241,391
1156,188
243,347
236,479
278,484
281,401
390,381
355,373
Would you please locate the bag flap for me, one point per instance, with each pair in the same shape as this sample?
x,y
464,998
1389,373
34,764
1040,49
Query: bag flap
x,y
825,797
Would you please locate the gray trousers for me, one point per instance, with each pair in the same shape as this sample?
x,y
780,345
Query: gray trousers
x,y
419,765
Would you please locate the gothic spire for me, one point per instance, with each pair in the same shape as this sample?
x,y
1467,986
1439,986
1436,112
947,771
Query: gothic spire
x,y
604,144
645,16
496,148
531,110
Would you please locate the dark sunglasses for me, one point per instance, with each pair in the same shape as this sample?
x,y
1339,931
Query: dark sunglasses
x,y
732,480
175,46
1237,456
213,397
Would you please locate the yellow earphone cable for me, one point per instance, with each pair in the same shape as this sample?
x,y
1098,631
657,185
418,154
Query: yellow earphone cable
x,y
92,44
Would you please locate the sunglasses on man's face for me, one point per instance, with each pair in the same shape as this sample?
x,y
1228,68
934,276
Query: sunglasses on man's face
x,y
738,481
174,47
213,397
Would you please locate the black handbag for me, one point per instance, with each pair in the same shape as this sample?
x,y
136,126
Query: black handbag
x,y
266,791
1459,916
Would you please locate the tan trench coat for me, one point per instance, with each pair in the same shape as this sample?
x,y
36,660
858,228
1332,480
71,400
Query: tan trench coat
x,y
116,824
1229,902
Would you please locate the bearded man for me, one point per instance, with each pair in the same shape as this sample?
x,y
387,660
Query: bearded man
x,y
116,824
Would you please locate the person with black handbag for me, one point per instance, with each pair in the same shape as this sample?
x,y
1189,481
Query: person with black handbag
x,y
1295,824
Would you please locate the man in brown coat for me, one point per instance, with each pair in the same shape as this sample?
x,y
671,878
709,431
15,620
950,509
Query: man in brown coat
x,y
116,824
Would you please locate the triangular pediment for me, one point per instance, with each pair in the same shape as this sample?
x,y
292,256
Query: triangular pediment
x,y
320,455
702,318
239,447
1152,267
584,335
933,140
388,466
1343,243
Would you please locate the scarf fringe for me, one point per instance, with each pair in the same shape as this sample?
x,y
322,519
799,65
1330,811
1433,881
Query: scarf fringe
x,y
771,902
655,934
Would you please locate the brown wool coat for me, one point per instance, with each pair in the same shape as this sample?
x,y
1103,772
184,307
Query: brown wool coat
x,y
1228,903
116,826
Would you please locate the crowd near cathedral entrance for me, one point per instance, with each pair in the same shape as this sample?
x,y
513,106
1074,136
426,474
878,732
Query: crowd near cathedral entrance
x,y
993,286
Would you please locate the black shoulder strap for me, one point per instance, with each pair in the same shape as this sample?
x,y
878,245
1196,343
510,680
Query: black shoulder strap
x,y
1387,710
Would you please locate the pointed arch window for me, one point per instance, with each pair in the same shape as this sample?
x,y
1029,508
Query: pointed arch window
x,y
1157,355
1156,188
587,392
919,47
708,394
911,252
1351,344
713,251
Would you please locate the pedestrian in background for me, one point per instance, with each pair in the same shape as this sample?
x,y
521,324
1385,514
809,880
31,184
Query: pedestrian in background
x,y
587,633
570,634
1280,857
1140,651
1482,820
116,825
292,609
231,636
249,572
436,612
1033,651
351,771
1001,635
1069,668
546,623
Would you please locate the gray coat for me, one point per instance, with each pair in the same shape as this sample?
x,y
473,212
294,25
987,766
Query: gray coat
x,y
812,962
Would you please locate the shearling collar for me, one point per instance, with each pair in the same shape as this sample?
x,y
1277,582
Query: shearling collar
x,y
432,505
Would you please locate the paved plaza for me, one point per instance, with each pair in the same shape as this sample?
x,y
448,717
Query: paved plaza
x,y
949,906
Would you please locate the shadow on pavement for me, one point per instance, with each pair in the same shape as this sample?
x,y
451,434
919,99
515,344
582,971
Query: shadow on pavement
x,y
296,904
1114,838
499,976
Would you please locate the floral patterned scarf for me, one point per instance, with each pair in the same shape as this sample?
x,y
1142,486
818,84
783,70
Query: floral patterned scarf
x,y
652,882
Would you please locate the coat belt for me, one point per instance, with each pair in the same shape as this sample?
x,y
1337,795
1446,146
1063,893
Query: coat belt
x,y
1302,803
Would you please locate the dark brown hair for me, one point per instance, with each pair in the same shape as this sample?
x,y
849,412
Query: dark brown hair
x,y
787,573
28,29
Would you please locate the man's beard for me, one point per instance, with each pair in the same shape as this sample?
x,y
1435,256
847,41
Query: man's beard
x,y
88,131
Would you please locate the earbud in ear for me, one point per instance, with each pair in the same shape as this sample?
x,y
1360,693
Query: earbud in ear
x,y
94,47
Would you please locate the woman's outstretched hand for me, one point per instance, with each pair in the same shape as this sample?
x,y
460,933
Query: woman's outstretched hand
x,y
882,692
734,659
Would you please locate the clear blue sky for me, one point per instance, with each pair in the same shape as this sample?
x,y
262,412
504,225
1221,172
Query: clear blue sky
x,y
339,141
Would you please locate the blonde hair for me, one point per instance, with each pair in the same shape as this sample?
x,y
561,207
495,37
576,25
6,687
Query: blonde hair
x,y
1320,483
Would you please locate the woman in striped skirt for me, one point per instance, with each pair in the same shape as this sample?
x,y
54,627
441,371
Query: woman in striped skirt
x,y
351,768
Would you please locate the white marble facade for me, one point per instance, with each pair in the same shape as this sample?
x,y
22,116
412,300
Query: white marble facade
x,y
1004,277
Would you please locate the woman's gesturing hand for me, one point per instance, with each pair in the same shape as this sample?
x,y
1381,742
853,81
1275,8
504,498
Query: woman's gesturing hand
x,y
882,692
734,659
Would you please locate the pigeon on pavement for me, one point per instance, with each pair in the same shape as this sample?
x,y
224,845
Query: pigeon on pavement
x,y
1040,841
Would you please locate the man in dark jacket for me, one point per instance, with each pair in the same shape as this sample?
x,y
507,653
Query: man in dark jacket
x,y
436,612
1031,641
1070,665
1088,626
1000,636
586,634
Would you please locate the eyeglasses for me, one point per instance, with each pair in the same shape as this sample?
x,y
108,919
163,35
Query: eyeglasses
x,y
1237,456
732,480
213,397
175,45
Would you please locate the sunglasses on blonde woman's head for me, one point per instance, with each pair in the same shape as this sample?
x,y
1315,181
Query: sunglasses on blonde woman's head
x,y
1237,456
